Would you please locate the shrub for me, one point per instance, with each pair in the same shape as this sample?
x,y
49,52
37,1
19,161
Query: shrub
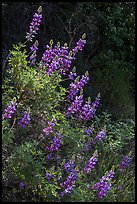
x,y
54,147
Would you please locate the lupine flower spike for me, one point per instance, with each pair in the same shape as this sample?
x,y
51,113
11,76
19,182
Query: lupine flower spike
x,y
125,163
91,163
32,58
104,185
25,120
34,25
10,110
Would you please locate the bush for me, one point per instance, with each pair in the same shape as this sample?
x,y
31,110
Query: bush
x,y
54,147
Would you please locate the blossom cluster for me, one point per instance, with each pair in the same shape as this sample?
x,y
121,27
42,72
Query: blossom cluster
x,y
49,176
69,166
91,163
34,25
84,112
75,106
22,185
33,48
100,135
9,111
104,185
76,86
69,183
79,45
25,120
49,129
72,75
89,131
125,163
59,58
55,143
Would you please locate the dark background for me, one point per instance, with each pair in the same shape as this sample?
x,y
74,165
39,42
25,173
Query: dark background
x,y
109,53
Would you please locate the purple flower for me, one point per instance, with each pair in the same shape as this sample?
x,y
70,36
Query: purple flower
x,y
69,183
55,143
50,156
10,110
100,135
49,129
22,185
104,185
90,164
32,58
88,110
76,105
34,25
49,176
25,120
57,58
69,166
76,86
89,131
72,75
79,46
120,187
125,163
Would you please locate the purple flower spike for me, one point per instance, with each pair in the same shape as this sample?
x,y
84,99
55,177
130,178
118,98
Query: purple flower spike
x,y
33,55
9,111
104,185
69,166
89,131
69,183
100,135
25,120
55,143
72,75
76,86
125,163
22,185
49,129
34,25
49,176
79,46
75,106
91,163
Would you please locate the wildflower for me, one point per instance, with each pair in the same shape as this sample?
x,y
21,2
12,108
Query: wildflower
x,y
34,25
88,110
76,105
104,185
57,58
22,185
25,120
76,86
33,55
89,131
79,46
125,163
69,183
72,75
56,143
10,110
69,166
91,163
100,135
49,129
50,156
49,176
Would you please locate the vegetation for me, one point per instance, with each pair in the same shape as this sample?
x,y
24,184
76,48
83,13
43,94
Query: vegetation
x,y
62,141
